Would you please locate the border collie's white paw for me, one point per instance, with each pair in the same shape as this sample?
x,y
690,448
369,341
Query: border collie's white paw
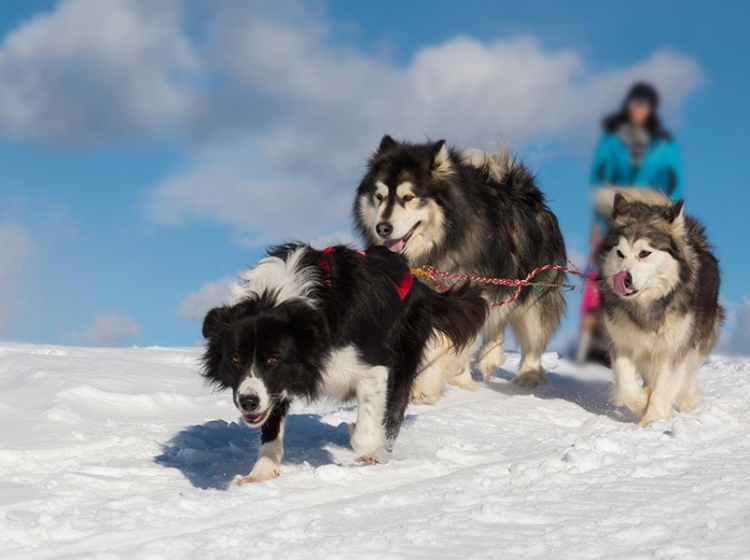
x,y
378,457
264,469
366,441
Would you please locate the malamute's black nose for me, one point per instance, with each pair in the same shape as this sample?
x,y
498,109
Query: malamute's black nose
x,y
628,281
249,403
384,229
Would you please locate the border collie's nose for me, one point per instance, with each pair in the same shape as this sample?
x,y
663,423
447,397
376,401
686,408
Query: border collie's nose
x,y
628,281
384,229
249,403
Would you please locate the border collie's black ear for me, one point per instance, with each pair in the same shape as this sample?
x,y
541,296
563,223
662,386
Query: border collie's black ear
x,y
215,320
385,143
674,211
620,205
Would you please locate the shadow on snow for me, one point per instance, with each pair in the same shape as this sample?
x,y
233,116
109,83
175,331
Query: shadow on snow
x,y
212,454
593,396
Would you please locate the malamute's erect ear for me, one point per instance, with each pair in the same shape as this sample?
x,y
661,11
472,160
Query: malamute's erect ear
x,y
620,205
674,212
216,320
441,157
386,143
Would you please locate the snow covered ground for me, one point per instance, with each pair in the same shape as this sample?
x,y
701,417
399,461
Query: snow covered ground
x,y
126,454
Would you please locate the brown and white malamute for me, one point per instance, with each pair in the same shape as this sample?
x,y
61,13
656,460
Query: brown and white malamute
x,y
470,213
660,300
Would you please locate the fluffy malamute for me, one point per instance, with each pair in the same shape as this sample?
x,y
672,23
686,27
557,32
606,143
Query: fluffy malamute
x,y
659,296
470,213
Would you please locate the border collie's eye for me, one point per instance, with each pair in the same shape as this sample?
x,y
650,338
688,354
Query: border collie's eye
x,y
379,197
643,254
272,360
408,197
619,254
236,358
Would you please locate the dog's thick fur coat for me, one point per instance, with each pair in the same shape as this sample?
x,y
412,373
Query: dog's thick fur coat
x,y
659,286
469,213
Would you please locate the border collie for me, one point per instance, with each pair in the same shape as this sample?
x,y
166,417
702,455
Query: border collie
x,y
335,323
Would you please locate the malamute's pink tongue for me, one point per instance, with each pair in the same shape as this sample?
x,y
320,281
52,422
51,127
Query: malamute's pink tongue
x,y
395,245
618,280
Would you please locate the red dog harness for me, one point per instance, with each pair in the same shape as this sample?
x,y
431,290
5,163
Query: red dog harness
x,y
402,288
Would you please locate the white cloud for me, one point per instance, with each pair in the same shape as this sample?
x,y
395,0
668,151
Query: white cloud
x,y
213,294
281,115
737,336
15,250
293,175
95,70
110,330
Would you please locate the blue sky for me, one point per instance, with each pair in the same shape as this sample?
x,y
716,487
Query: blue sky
x,y
150,150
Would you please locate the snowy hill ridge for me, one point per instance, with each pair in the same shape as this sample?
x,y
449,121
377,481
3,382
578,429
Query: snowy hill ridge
x,y
125,453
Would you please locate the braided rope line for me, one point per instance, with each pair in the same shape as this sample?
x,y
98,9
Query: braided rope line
x,y
429,272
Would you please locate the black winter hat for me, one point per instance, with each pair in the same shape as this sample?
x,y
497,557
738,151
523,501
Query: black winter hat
x,y
642,91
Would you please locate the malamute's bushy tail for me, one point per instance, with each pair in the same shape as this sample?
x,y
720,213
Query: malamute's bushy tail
x,y
502,167
496,165
460,313
604,198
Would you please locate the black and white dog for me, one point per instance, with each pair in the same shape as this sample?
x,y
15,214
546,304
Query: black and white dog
x,y
335,323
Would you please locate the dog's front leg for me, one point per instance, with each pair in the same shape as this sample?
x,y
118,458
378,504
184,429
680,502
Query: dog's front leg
x,y
372,390
669,380
272,447
627,391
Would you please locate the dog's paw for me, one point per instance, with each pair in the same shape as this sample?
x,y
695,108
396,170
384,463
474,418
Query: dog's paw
x,y
366,441
636,402
264,469
686,403
648,420
489,361
463,384
654,415
531,379
252,478
378,457
367,460
419,398
488,369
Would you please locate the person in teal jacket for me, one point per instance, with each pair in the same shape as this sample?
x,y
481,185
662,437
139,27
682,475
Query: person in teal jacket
x,y
634,151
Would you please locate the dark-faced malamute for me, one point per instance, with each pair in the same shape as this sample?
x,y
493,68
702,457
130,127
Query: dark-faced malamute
x,y
660,300
469,213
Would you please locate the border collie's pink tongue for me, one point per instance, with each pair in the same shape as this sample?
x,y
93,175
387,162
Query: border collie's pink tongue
x,y
254,418
618,281
395,245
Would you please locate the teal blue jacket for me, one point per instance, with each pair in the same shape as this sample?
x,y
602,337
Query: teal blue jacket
x,y
660,168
